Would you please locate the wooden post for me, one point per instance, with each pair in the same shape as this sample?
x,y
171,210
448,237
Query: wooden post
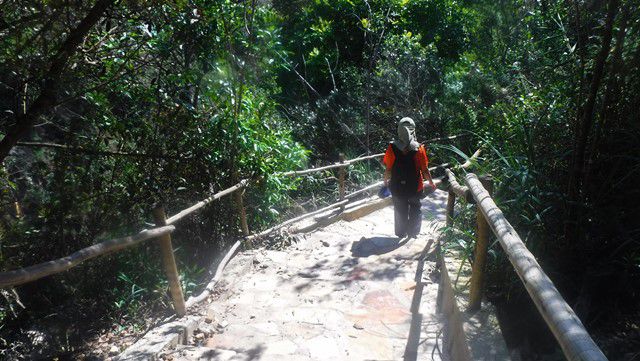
x,y
18,209
451,203
342,173
483,233
242,213
244,226
169,263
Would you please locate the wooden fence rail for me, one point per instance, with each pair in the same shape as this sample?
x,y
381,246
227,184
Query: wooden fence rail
x,y
165,226
32,273
341,164
455,187
573,338
563,322
182,214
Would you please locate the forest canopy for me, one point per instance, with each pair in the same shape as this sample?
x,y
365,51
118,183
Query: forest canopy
x,y
111,107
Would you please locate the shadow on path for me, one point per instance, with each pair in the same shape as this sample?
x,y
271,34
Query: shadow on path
x,y
376,245
413,341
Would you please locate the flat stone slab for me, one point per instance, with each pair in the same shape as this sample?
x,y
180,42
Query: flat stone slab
x,y
349,291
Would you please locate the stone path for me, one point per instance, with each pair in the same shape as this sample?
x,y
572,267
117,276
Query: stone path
x,y
349,291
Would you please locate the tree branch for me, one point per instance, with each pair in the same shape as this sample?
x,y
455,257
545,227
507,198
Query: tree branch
x,y
51,80
92,151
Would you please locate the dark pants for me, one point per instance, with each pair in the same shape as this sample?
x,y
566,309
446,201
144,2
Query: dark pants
x,y
408,217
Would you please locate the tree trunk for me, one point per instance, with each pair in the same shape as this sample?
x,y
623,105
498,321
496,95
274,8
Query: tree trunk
x,y
609,102
576,174
51,81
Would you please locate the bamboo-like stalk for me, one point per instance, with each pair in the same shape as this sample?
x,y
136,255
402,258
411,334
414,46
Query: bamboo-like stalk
x,y
455,187
565,325
471,160
32,273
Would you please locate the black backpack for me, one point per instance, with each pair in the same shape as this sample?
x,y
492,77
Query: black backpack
x,y
404,175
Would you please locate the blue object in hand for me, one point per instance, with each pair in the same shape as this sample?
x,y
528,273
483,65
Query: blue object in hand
x,y
384,192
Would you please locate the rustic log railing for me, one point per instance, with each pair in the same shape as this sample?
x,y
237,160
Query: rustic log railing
x,y
162,233
570,333
32,273
182,214
346,163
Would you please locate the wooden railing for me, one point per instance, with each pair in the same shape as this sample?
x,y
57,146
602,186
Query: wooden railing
x,y
573,338
32,273
165,226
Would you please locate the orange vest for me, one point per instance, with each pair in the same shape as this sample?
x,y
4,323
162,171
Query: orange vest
x,y
421,161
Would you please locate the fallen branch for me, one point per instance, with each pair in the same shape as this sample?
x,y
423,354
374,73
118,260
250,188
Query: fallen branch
x,y
216,277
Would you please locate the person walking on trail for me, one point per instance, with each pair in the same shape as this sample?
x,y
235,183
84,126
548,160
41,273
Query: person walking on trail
x,y
406,167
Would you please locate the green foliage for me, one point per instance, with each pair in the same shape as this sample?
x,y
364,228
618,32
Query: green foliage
x,y
141,289
165,103
171,101
323,36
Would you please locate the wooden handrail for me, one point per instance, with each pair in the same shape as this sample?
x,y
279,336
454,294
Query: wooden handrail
x,y
296,219
295,173
162,232
573,338
32,273
455,187
185,212
365,189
